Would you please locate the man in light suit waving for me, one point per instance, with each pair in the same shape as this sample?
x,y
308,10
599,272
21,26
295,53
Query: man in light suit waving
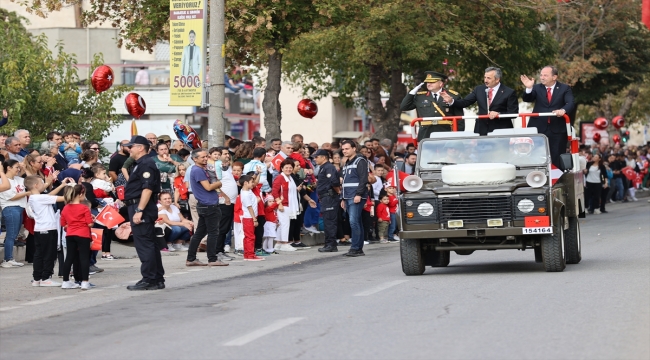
x,y
191,61
550,96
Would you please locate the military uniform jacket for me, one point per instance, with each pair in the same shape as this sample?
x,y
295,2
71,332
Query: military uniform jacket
x,y
145,175
427,106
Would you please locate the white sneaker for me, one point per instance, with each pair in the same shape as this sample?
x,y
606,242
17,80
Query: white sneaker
x,y
85,285
226,248
286,247
396,237
69,285
49,283
366,243
171,248
177,247
596,211
277,246
36,283
184,248
312,229
635,199
11,263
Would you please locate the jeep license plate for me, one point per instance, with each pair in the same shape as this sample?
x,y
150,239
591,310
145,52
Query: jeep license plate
x,y
538,230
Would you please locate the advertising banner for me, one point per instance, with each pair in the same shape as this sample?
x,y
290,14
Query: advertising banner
x,y
187,46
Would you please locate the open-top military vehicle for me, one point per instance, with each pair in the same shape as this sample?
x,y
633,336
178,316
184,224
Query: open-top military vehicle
x,y
494,192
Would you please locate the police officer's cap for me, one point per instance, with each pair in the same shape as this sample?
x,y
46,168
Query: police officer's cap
x,y
138,140
322,152
432,76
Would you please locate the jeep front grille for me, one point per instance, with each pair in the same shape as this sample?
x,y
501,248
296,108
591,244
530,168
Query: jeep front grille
x,y
475,209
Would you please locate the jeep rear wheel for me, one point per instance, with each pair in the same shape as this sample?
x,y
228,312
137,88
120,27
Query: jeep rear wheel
x,y
411,254
553,248
572,244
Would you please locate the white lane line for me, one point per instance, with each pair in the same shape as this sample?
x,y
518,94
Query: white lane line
x,y
243,340
195,270
179,273
381,287
43,301
9,308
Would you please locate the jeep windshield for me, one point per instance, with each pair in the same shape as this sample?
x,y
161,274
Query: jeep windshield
x,y
519,150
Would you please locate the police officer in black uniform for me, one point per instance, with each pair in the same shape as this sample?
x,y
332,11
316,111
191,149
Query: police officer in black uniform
x,y
429,103
328,189
140,196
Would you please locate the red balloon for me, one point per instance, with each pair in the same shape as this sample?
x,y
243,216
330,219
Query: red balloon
x,y
307,108
601,123
618,121
597,137
616,138
102,78
135,105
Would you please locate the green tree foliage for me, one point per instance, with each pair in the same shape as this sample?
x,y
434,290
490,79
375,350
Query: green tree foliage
x,y
604,47
40,90
362,58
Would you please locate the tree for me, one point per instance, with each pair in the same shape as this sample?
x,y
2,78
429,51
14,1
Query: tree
x,y
41,89
367,56
603,46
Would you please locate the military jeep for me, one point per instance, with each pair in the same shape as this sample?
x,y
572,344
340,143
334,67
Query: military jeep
x,y
473,192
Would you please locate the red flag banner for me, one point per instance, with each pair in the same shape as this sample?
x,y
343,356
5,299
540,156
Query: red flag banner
x,y
109,217
277,160
96,236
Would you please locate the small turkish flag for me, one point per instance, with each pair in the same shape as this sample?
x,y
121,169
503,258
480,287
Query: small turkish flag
x,y
120,192
277,160
537,221
96,236
109,217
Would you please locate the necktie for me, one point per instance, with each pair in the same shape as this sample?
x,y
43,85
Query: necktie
x,y
435,97
490,96
548,95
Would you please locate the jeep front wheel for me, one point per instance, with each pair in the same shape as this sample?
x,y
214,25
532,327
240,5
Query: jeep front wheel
x,y
411,254
553,248
572,242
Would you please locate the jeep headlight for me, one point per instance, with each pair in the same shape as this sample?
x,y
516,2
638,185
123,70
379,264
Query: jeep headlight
x,y
525,205
425,209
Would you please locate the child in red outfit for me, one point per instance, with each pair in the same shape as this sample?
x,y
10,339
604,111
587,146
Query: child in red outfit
x,y
249,205
271,224
383,217
392,206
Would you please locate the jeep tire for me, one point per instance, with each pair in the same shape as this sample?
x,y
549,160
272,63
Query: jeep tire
x,y
553,248
572,244
412,257
438,258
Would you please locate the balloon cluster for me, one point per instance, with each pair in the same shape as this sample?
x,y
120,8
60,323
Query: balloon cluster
x,y
102,80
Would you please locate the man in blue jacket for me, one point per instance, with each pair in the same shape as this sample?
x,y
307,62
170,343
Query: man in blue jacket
x,y
550,96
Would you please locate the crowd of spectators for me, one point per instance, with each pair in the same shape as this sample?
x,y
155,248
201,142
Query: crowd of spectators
x,y
278,179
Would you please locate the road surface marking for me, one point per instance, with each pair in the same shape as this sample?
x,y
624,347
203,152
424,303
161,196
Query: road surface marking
x,y
9,308
179,273
381,287
195,270
243,340
43,301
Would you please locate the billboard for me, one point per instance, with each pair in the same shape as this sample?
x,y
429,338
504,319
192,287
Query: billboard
x,y
187,46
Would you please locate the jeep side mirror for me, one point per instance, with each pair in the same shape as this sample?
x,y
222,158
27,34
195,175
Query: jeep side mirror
x,y
566,162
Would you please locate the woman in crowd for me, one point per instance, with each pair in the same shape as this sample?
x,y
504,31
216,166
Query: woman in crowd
x,y
33,165
244,152
166,165
596,180
336,160
379,153
181,228
13,199
304,200
285,193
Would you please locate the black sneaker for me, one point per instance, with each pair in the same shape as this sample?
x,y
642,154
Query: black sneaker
x,y
328,249
355,253
143,286
301,246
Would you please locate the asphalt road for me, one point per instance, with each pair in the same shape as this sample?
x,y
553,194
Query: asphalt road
x,y
490,305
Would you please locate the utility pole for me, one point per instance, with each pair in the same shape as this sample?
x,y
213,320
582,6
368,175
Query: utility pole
x,y
216,114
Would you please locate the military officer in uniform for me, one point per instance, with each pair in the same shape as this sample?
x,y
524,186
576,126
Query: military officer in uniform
x,y
140,196
328,188
429,103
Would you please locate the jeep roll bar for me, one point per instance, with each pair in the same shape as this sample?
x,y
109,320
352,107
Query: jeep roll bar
x,y
571,138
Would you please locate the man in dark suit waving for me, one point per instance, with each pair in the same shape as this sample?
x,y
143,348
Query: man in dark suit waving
x,y
493,99
550,96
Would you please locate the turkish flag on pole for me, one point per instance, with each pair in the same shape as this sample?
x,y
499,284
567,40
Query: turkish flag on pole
x,y
645,13
109,217
97,236
390,178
